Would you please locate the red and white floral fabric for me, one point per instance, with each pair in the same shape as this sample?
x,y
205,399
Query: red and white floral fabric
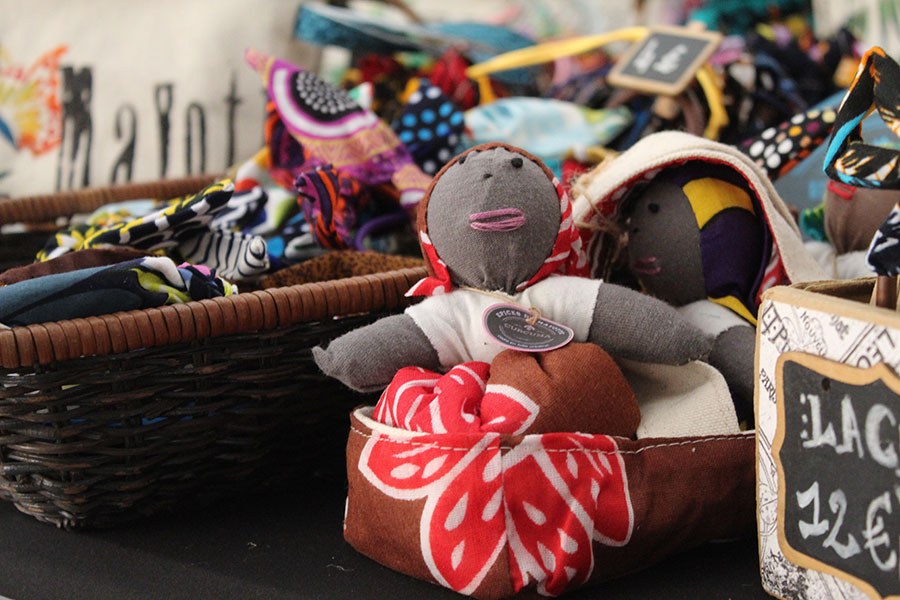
x,y
459,401
490,514
547,500
478,480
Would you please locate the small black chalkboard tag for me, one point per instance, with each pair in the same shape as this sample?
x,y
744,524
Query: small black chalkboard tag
x,y
508,325
836,450
665,61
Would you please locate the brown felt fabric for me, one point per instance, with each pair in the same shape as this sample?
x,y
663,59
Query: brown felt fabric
x,y
685,492
71,261
577,375
337,265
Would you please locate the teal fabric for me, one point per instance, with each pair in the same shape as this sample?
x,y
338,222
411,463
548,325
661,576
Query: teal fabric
x,y
545,127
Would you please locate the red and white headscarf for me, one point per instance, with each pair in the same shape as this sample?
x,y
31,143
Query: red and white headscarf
x,y
567,257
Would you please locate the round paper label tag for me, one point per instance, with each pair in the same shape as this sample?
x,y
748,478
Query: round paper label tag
x,y
507,324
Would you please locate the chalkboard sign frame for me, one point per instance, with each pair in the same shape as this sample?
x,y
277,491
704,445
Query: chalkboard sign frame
x,y
620,78
834,371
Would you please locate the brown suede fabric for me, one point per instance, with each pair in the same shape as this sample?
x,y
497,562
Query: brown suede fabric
x,y
576,375
336,265
71,261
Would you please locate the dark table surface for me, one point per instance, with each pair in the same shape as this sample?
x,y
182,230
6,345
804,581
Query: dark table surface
x,y
285,543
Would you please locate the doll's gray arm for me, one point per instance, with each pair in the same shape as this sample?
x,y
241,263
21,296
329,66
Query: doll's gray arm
x,y
733,355
366,359
634,326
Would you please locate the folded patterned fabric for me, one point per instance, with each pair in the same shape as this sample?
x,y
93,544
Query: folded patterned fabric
x,y
333,129
387,77
119,212
182,219
130,285
247,200
168,227
331,203
294,243
884,252
232,254
778,149
575,388
264,197
449,74
284,157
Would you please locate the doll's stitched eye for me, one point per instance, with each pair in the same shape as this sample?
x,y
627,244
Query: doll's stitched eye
x,y
653,207
461,160
516,162
635,231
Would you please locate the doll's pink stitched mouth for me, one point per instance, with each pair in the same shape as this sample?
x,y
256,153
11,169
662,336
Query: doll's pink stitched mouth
x,y
502,219
646,266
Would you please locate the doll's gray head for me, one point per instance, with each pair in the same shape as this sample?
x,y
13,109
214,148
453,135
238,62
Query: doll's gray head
x,y
695,232
664,244
493,216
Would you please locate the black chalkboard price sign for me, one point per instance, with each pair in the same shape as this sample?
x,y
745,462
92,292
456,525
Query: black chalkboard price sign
x,y
664,61
837,451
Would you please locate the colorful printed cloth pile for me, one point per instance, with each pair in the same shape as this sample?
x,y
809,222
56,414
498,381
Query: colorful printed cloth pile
x,y
130,285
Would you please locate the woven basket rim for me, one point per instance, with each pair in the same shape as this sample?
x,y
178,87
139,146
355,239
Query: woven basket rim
x,y
47,207
261,310
55,341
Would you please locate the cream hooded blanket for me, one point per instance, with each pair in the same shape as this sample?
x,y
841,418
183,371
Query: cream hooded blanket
x,y
694,399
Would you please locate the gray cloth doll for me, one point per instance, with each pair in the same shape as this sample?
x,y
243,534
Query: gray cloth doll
x,y
496,226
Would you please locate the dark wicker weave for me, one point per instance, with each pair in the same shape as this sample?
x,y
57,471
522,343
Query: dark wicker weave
x,y
105,419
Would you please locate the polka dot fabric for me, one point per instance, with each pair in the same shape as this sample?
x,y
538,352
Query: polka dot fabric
x,y
777,149
325,102
430,126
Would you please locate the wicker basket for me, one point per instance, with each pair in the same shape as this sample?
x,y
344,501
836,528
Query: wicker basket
x,y
108,418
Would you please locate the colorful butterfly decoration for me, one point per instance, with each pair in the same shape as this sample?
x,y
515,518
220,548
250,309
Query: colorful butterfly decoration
x,y
30,108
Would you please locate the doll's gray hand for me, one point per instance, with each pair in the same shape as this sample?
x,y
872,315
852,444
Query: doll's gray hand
x,y
366,359
733,354
634,326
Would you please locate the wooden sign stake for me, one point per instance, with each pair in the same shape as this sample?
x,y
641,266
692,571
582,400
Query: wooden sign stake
x,y
885,292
